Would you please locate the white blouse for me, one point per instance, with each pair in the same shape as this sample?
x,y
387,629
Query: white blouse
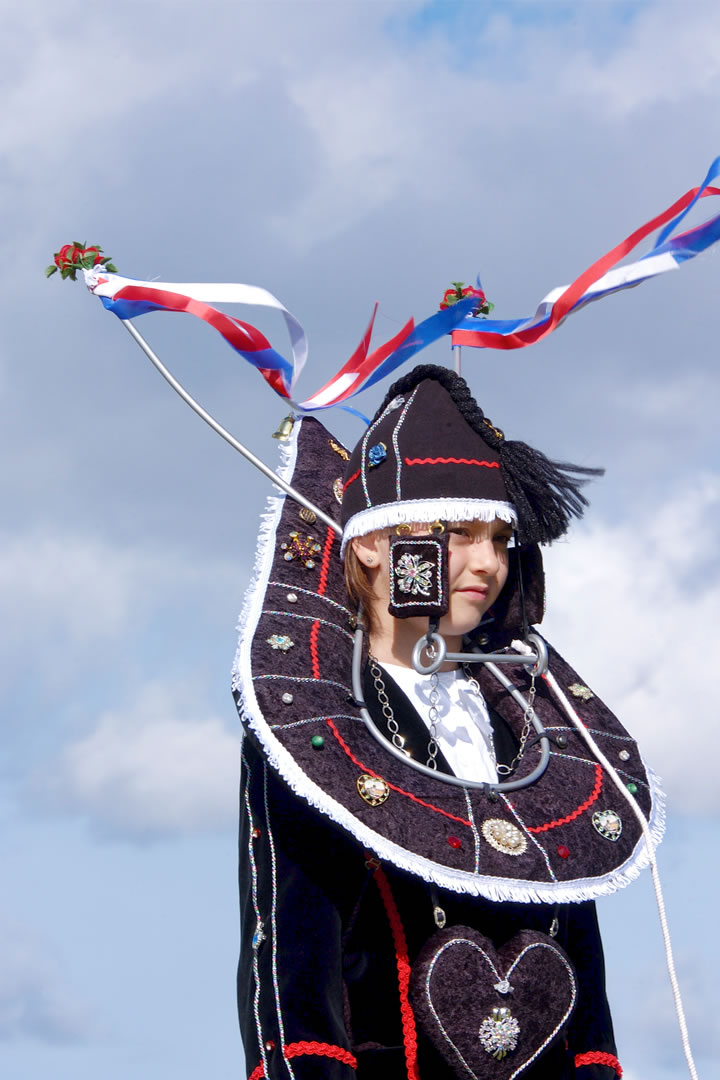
x,y
464,731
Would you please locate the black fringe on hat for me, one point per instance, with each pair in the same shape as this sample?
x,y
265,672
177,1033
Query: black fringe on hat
x,y
546,494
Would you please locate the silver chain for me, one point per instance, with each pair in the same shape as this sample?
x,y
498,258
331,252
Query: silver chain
x,y
528,716
387,711
433,718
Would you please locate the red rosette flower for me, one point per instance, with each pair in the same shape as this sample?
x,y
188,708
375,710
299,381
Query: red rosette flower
x,y
73,257
460,291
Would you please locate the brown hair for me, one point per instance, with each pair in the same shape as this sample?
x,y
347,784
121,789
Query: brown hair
x,y
358,585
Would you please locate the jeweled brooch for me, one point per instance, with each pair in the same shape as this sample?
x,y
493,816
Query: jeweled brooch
x,y
301,547
414,575
504,836
608,823
373,789
281,642
499,1033
579,690
377,454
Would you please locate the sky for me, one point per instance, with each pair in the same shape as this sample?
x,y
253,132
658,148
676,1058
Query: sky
x,y
338,154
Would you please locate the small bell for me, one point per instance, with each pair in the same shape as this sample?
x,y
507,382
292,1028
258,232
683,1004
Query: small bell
x,y
285,430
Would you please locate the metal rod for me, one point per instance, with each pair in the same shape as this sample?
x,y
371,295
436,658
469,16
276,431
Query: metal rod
x,y
457,349
204,415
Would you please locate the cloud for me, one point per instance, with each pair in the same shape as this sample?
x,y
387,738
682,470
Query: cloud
x,y
163,765
634,606
35,1003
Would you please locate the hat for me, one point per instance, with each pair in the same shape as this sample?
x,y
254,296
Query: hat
x,y
431,454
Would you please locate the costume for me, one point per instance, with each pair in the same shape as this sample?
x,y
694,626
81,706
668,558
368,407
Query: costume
x,y
395,925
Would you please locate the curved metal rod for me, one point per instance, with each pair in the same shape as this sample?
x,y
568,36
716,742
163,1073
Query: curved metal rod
x,y
537,661
447,778
204,415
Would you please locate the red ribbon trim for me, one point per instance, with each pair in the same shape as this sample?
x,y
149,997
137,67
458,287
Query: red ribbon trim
x,y
322,586
576,813
407,794
599,1057
317,1049
403,973
451,461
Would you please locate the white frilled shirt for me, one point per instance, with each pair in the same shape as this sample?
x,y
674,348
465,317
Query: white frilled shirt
x,y
464,732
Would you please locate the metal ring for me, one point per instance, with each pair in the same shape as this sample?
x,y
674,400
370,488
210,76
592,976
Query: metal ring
x,y
537,643
421,646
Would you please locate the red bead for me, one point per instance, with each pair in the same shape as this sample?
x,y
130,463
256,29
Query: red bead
x,y
256,833
269,1045
563,852
454,841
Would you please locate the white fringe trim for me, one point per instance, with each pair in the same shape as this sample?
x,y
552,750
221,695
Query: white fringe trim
x,y
425,511
461,881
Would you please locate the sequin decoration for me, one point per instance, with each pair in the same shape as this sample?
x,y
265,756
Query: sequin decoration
x,y
281,642
373,789
579,690
301,547
414,575
504,836
337,489
499,1033
608,824
376,455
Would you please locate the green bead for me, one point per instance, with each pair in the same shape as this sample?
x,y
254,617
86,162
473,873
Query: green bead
x,y
632,788
317,742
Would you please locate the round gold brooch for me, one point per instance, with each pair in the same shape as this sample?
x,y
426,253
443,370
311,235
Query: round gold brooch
x,y
504,836
373,789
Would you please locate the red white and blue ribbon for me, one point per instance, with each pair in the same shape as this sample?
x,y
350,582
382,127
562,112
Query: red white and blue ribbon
x,y
128,298
604,277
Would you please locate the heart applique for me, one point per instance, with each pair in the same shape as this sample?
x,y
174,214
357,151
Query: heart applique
x,y
491,1012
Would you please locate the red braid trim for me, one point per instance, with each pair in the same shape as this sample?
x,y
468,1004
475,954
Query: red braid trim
x,y
594,795
299,1049
322,586
403,970
598,1057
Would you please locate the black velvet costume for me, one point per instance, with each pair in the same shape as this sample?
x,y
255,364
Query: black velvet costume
x,y
337,896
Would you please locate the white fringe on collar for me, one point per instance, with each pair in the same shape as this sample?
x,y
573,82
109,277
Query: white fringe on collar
x,y
425,511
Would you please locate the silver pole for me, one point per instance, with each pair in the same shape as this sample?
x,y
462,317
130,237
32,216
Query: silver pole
x,y
204,415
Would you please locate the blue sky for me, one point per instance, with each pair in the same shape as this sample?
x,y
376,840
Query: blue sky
x,y
336,154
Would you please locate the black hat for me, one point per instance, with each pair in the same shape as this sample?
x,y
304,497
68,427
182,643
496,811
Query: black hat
x,y
431,454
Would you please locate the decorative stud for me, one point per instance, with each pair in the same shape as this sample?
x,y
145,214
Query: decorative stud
x,y
499,1033
259,936
376,455
291,598
281,642
454,842
563,851
579,690
503,987
287,699
308,516
317,742
269,1045
373,789
256,834
337,489
632,788
608,823
504,836
339,450
624,755
561,741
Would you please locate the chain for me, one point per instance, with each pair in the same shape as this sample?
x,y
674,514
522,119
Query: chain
x,y
433,718
528,715
387,711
